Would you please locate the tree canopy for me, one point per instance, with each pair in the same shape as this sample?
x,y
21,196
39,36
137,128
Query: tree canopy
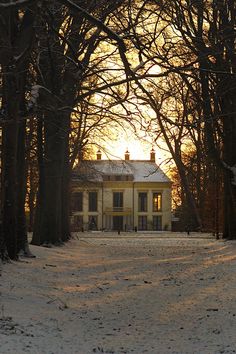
x,y
71,69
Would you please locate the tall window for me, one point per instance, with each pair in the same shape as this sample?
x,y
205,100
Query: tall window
x,y
156,201
142,222
157,223
77,201
142,201
93,201
118,200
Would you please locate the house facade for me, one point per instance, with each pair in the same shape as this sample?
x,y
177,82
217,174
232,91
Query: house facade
x,y
121,195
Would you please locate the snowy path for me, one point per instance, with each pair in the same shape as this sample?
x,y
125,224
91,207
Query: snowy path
x,y
154,295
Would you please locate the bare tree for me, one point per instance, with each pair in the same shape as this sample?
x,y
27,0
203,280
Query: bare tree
x,y
207,29
16,38
68,39
193,42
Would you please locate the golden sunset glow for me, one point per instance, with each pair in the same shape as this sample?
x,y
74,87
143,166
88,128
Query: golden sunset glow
x,y
139,148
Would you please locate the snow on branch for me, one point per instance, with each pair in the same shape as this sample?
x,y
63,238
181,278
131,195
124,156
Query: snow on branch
x,y
34,95
96,22
111,34
232,169
47,98
15,3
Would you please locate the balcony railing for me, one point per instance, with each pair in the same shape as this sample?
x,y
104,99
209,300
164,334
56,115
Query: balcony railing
x,y
118,210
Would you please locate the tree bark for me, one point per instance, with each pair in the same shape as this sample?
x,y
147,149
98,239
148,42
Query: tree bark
x,y
16,38
9,162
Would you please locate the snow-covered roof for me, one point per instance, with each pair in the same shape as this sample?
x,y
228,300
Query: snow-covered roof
x,y
138,170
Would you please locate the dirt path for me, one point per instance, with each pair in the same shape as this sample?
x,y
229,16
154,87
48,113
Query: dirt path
x,y
154,295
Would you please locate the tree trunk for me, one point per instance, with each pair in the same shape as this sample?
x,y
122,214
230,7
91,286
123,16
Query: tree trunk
x,y
16,38
40,193
9,162
195,223
48,223
65,191
229,156
21,190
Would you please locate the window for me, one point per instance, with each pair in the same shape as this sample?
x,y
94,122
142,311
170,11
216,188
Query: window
x,y
93,201
93,222
157,223
156,201
142,222
117,177
118,200
142,202
77,201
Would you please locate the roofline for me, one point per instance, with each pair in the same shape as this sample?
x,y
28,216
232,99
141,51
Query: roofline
x,y
118,160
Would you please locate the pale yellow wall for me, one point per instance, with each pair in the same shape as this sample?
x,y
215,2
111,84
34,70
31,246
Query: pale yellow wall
x,y
86,213
105,193
126,188
151,188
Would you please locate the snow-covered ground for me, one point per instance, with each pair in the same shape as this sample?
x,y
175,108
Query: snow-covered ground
x,y
132,293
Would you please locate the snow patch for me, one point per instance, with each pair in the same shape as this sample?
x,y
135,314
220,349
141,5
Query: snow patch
x,y
165,293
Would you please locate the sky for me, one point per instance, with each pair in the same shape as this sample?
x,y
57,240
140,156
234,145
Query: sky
x,y
139,149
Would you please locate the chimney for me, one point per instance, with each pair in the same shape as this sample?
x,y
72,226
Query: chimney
x,y
152,155
127,155
99,155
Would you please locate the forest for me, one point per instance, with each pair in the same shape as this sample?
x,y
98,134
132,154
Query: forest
x,y
73,71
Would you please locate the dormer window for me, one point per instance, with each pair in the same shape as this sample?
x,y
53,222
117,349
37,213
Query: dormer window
x,y
117,177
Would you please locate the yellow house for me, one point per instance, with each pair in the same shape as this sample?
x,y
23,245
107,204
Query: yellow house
x,y
120,195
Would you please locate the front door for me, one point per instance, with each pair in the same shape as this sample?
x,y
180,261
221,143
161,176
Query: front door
x,y
118,223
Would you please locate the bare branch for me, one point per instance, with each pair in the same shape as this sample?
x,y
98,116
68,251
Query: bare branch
x,y
98,23
16,4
